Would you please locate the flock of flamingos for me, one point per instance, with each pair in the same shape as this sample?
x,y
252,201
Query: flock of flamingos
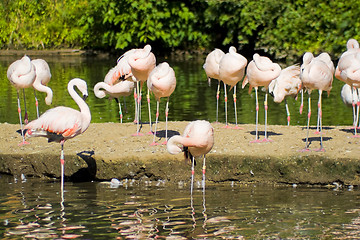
x,y
137,66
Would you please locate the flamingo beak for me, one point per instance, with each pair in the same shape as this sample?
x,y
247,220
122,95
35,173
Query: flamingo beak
x,y
85,97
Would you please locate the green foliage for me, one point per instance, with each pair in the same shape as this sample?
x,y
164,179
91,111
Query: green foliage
x,y
284,29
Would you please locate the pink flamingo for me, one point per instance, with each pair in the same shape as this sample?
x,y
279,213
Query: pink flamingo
x,y
316,73
349,98
231,71
21,75
122,88
197,140
347,71
260,72
288,83
62,123
142,62
162,83
43,76
211,67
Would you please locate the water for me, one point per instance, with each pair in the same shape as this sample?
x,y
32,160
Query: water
x,y
193,98
146,210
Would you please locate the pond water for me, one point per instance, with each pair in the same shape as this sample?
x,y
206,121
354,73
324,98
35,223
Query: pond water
x,y
33,209
192,99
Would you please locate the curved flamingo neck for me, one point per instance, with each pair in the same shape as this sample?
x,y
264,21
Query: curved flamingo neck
x,y
84,108
100,93
42,88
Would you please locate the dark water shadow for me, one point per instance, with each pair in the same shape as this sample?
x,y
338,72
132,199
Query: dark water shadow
x,y
85,174
262,133
314,128
162,133
348,130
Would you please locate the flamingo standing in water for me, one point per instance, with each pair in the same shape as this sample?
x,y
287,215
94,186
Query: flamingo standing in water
x,y
288,83
162,83
260,72
21,75
43,76
122,88
211,67
316,73
197,140
347,71
231,71
62,123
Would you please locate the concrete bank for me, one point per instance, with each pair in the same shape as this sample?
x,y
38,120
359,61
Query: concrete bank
x,y
108,150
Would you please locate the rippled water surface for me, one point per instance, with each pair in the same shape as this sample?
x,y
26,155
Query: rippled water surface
x,y
192,99
145,210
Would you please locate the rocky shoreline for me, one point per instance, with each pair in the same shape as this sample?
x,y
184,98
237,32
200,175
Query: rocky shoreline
x,y
107,150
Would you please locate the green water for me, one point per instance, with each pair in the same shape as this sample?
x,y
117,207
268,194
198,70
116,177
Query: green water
x,y
146,210
193,97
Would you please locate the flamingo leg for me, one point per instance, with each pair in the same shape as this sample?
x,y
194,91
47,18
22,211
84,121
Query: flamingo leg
x,y
135,101
203,172
321,149
318,117
266,139
26,118
217,102
236,120
302,101
156,121
287,112
21,125
257,118
148,100
166,121
192,175
357,111
62,162
226,121
120,111
36,104
138,113
306,149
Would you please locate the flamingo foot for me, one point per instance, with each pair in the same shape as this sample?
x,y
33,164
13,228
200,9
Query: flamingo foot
x,y
267,140
356,136
320,150
137,134
23,143
305,150
150,133
154,144
317,132
164,143
135,121
256,141
226,126
237,127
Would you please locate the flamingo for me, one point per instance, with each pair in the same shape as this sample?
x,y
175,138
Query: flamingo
x,y
231,71
349,99
197,140
21,75
260,72
162,83
288,83
211,67
347,71
142,62
316,73
122,88
43,76
62,123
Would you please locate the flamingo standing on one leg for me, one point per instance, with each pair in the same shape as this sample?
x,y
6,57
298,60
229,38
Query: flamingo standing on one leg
x,y
231,71
211,67
197,140
288,83
21,75
62,123
162,83
315,73
43,76
122,88
260,72
142,62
